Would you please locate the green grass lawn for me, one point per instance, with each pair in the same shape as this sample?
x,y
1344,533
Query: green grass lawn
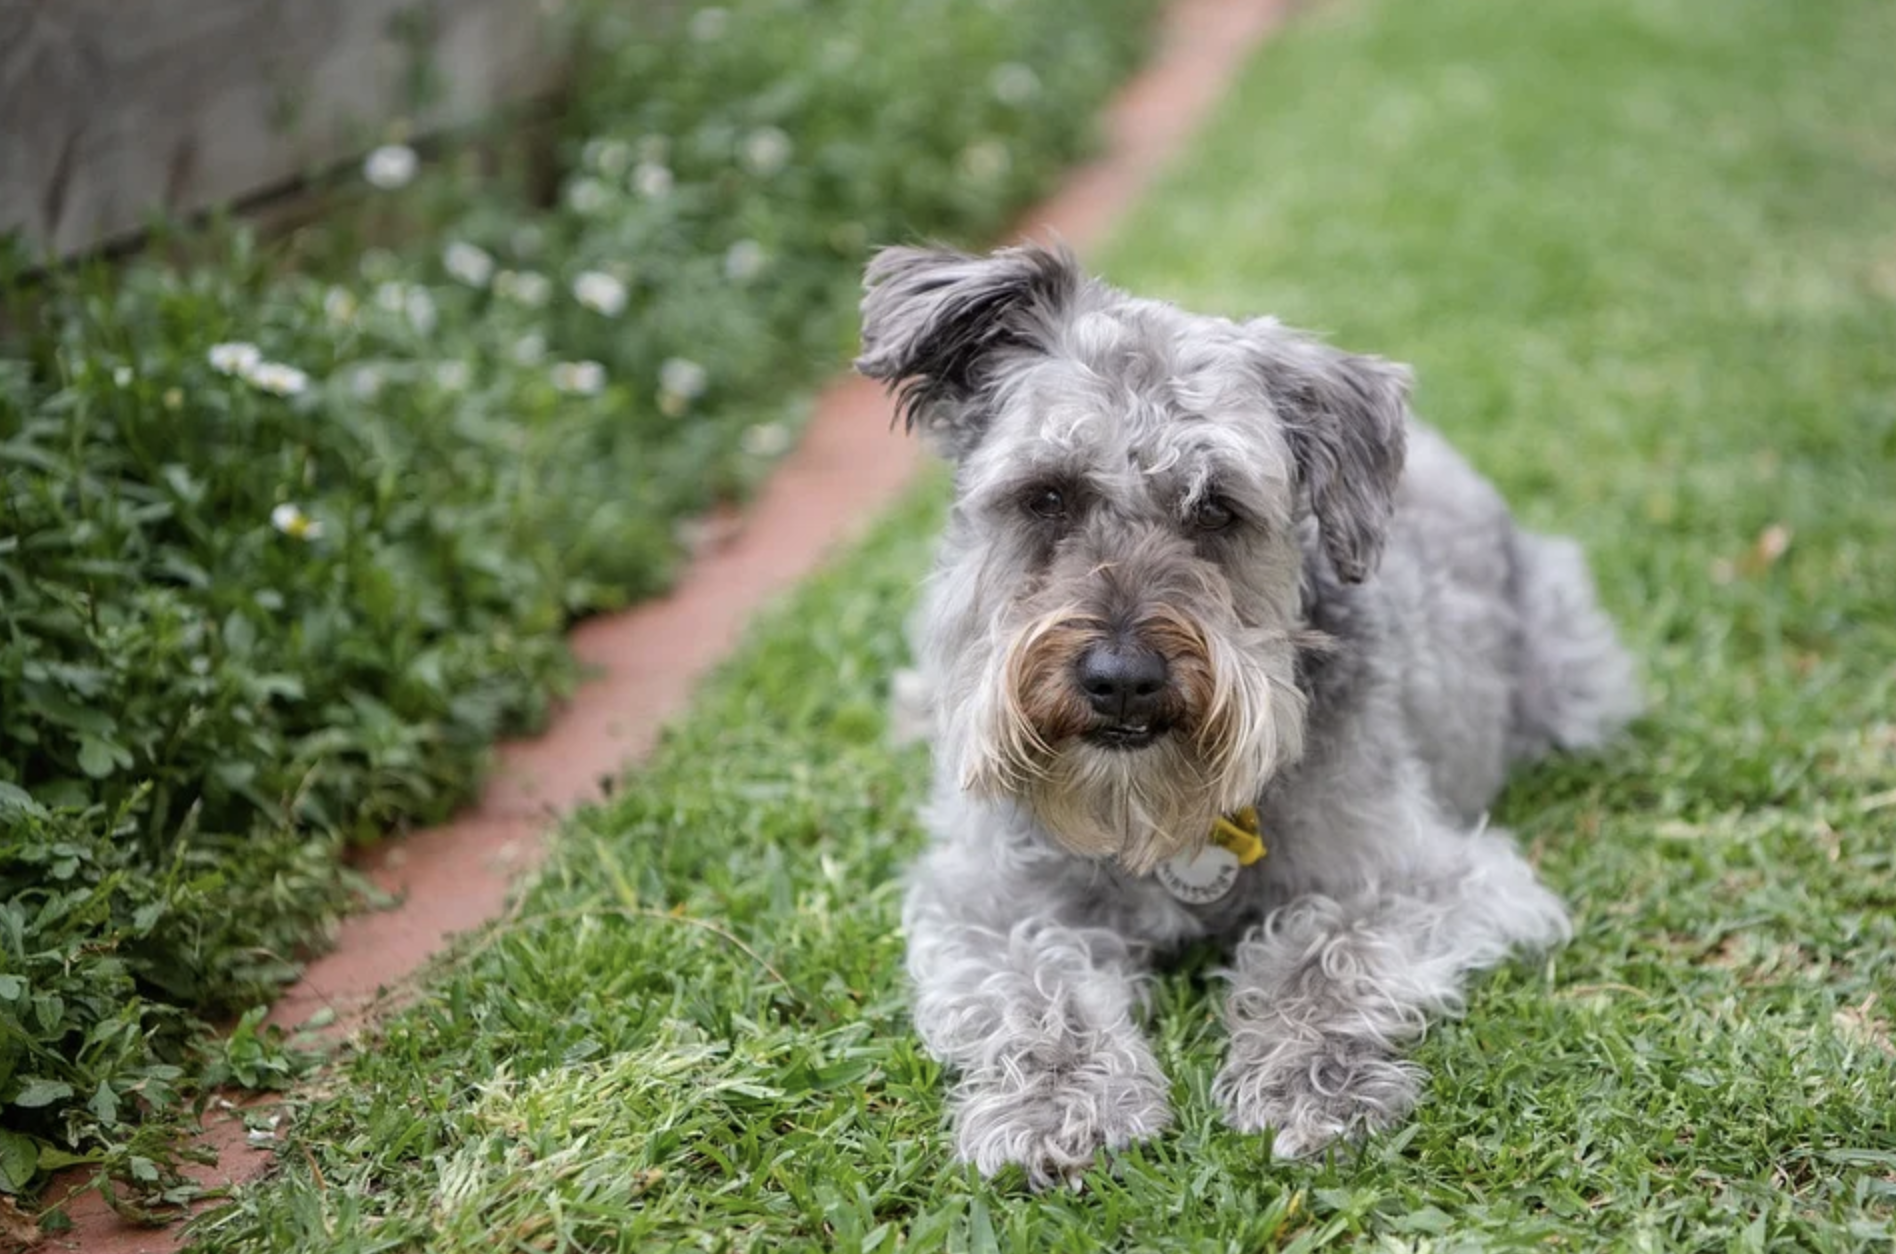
x,y
1643,255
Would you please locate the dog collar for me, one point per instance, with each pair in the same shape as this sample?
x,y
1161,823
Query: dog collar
x,y
1206,876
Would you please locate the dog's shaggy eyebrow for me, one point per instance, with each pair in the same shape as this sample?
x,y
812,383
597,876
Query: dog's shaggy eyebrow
x,y
1069,475
1207,477
1213,459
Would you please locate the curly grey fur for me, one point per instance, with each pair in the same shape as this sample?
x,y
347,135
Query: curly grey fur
x,y
1362,651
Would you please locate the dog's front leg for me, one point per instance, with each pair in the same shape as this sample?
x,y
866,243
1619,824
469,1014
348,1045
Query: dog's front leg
x,y
1326,991
1037,1017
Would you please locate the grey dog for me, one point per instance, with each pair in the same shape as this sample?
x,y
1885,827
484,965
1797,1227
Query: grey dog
x,y
1199,569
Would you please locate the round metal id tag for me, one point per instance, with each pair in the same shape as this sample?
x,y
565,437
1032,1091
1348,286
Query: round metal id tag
x,y
1200,878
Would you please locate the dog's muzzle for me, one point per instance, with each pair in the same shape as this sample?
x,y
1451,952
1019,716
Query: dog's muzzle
x,y
1123,734
1081,677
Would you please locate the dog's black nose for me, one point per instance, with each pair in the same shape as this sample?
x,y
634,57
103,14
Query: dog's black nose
x,y
1123,681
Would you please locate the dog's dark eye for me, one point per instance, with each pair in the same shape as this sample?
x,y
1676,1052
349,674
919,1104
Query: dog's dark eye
x,y
1213,514
1047,502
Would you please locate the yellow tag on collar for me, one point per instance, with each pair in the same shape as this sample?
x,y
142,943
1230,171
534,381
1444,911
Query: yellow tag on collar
x,y
1238,832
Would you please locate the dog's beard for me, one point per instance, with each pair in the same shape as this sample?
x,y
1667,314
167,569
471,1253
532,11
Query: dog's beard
x,y
1139,807
1237,719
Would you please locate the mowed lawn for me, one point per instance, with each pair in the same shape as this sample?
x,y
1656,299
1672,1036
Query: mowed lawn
x,y
1642,254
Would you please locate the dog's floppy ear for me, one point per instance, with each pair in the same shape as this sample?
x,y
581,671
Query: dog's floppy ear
x,y
1344,417
932,318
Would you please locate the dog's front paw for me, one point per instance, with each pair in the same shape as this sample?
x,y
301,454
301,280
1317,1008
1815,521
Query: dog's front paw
x,y
1314,1095
1055,1123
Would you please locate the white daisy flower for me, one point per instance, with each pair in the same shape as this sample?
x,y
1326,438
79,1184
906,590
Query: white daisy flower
x,y
680,382
651,180
600,292
765,151
766,439
294,523
744,261
122,375
378,263
583,378
530,349
411,300
611,157
1014,84
420,308
391,166
471,265
588,195
235,358
276,378
525,286
453,376
986,161
683,376
339,306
